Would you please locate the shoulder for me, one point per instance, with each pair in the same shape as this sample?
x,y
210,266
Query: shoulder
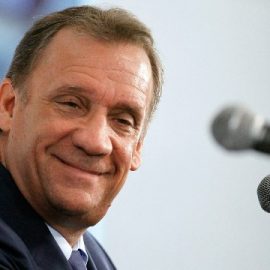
x,y
13,252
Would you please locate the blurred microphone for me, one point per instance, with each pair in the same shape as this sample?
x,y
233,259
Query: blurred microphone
x,y
236,128
263,192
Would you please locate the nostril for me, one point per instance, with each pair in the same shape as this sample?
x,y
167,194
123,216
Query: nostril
x,y
82,149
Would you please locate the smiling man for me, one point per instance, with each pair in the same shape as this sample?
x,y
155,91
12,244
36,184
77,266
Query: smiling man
x,y
74,108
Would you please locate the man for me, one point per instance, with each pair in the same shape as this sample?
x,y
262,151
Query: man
x,y
74,108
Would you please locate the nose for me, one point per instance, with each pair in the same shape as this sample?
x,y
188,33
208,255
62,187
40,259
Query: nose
x,y
93,136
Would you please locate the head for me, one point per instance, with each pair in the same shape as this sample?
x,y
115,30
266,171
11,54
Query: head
x,y
112,25
74,107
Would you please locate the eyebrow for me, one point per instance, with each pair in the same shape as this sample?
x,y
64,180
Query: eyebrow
x,y
71,89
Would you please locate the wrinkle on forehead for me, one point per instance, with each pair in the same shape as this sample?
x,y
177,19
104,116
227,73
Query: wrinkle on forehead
x,y
108,65
124,57
139,80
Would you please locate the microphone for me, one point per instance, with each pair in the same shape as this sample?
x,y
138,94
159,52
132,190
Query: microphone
x,y
236,128
263,193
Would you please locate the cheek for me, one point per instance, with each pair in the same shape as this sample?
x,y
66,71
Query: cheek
x,y
124,151
18,138
123,155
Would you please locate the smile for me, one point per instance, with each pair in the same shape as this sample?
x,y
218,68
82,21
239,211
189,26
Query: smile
x,y
80,168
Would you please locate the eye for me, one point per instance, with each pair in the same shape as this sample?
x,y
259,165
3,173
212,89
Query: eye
x,y
126,122
70,104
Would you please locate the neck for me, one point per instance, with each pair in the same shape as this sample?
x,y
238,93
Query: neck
x,y
71,236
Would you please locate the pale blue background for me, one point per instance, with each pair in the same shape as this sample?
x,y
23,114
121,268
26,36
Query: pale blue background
x,y
193,205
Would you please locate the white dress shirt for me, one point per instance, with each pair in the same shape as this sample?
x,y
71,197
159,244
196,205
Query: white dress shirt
x,y
66,247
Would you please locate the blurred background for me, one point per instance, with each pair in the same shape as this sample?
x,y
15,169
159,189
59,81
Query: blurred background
x,y
192,205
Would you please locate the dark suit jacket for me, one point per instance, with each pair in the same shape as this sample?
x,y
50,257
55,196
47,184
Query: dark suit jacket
x,y
25,241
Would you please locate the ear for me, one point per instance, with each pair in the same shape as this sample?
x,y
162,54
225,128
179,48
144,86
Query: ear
x,y
7,103
136,158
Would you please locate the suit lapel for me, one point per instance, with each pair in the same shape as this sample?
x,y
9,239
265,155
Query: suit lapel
x,y
98,258
17,213
29,226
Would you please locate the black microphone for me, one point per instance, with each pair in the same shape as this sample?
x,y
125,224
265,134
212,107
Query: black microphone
x,y
263,192
236,128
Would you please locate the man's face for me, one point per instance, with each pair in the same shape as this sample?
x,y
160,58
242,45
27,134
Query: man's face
x,y
71,145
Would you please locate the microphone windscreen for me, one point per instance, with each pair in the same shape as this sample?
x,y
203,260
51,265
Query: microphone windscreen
x,y
232,128
263,192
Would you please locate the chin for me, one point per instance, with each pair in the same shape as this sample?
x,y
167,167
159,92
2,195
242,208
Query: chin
x,y
79,213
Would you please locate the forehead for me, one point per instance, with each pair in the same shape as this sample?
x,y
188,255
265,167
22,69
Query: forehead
x,y
76,54
72,48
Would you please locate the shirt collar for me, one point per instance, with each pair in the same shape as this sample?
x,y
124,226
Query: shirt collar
x,y
66,247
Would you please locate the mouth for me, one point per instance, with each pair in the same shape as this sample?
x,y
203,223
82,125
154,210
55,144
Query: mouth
x,y
79,167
